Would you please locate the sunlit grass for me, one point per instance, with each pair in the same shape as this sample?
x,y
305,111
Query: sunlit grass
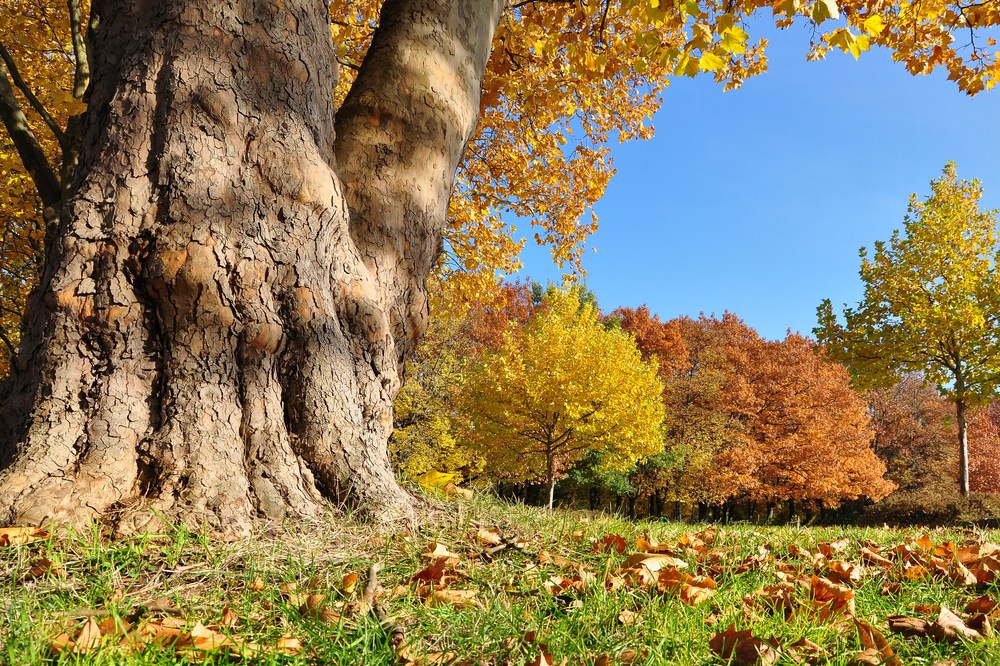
x,y
513,620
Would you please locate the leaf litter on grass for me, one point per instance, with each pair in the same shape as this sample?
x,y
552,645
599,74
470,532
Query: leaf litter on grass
x,y
783,596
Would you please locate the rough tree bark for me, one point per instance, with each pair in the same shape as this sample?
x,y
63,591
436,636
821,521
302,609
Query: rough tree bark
x,y
221,324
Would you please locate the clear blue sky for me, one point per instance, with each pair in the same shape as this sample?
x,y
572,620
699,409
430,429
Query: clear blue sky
x,y
756,201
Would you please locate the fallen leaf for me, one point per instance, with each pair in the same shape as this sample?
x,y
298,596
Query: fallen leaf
x,y
88,638
869,657
833,547
950,627
456,598
872,557
315,607
983,604
349,583
653,562
830,597
44,566
742,648
628,618
489,537
437,550
804,650
981,624
611,543
872,639
18,536
844,572
773,598
229,618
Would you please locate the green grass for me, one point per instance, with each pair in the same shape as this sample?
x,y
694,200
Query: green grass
x,y
199,575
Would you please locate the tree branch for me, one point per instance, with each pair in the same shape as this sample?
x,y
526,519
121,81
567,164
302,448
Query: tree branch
x,y
28,148
401,133
35,103
81,73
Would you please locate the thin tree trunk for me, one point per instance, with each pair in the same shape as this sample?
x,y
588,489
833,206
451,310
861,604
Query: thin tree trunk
x,y
550,478
219,331
963,447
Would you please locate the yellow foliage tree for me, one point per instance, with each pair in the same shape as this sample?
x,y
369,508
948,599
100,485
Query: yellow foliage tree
x,y
931,304
427,424
559,387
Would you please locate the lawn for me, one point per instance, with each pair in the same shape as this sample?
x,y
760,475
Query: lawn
x,y
484,582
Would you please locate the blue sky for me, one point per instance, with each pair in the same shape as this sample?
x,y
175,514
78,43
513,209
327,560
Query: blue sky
x,y
756,201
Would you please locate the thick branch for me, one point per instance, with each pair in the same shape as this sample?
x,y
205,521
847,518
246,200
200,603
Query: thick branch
x,y
28,148
81,74
400,136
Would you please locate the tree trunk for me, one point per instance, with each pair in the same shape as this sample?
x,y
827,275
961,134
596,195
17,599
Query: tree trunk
x,y
220,328
550,478
963,447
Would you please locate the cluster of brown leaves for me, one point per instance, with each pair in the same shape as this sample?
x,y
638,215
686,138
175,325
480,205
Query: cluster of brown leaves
x,y
171,632
159,623
827,584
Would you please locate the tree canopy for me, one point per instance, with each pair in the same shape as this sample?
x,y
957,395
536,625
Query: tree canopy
x,y
564,81
559,387
752,418
931,303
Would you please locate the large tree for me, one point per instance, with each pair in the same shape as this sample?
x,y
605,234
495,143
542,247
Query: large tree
x,y
233,275
236,279
931,304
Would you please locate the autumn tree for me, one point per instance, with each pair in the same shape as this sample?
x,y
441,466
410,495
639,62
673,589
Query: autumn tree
x,y
750,418
559,387
931,304
915,435
984,449
236,261
811,432
429,428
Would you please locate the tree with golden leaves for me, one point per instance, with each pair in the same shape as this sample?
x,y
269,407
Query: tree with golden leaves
x,y
559,387
931,304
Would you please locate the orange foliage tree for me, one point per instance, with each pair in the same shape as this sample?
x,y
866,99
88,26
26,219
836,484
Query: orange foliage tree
x,y
915,434
984,449
811,433
749,418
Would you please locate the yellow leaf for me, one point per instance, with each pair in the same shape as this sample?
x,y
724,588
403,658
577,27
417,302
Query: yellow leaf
x,y
709,62
825,9
874,25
